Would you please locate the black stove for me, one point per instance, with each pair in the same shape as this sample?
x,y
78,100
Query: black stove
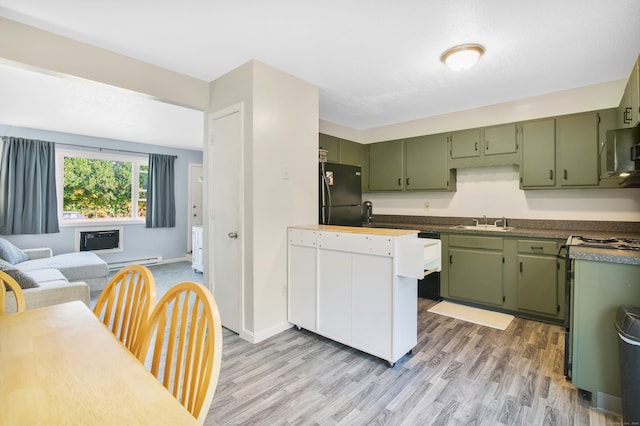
x,y
632,244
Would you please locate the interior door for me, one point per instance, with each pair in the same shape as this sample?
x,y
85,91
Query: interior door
x,y
225,162
196,183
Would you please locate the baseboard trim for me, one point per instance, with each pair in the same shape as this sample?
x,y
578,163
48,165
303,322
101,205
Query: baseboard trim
x,y
270,332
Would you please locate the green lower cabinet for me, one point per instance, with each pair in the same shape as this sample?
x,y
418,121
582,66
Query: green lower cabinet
x,y
539,279
475,269
538,284
466,283
521,276
599,289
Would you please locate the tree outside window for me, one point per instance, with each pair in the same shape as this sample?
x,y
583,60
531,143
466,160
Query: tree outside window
x,y
103,187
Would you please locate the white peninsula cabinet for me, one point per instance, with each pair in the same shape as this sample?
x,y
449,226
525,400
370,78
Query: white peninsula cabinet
x,y
357,286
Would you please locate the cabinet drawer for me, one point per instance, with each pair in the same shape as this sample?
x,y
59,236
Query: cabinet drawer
x,y
302,237
377,245
474,241
537,247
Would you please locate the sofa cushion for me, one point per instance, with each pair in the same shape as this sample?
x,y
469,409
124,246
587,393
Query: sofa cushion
x,y
74,266
23,279
11,253
46,275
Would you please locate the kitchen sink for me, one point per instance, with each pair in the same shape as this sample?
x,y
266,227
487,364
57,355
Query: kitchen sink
x,y
483,228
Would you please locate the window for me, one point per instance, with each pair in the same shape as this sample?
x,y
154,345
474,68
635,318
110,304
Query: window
x,y
101,187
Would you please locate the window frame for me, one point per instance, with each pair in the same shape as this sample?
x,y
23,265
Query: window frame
x,y
135,161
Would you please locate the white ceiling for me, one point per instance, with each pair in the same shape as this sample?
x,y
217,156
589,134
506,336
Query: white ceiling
x,y
375,62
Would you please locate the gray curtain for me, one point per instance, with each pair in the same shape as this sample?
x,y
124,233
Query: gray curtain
x,y
28,203
161,197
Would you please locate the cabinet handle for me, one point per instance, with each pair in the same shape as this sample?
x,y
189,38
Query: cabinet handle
x,y
486,145
399,181
476,146
550,174
565,174
407,181
537,248
520,267
450,259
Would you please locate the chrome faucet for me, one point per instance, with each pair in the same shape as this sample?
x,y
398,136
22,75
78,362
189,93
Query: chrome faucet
x,y
503,220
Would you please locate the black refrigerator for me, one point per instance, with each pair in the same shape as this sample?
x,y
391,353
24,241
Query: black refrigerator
x,y
340,194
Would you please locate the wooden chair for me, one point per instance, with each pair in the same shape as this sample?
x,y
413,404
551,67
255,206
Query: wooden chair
x,y
126,303
184,334
6,279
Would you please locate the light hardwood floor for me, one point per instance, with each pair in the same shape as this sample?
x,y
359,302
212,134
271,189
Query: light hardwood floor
x,y
458,374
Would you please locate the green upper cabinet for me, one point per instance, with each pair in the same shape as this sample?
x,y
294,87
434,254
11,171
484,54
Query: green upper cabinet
x,y
426,164
629,109
560,152
500,140
332,145
577,150
356,154
538,165
386,166
347,152
489,146
465,143
414,164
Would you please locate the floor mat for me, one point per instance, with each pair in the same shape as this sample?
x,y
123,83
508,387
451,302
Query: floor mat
x,y
475,315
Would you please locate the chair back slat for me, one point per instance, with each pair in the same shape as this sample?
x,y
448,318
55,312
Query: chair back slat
x,y
184,333
126,303
16,290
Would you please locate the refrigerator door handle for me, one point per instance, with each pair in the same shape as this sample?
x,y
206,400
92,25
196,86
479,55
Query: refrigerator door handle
x,y
326,199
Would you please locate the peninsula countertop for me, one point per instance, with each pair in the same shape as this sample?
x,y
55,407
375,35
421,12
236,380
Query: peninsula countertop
x,y
382,231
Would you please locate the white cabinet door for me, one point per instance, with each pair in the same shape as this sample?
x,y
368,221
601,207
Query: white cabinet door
x,y
302,286
371,297
334,295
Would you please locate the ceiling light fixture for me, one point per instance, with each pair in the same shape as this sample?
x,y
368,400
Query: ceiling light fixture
x,y
462,57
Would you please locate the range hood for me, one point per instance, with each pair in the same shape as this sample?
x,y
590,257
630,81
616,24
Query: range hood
x,y
618,160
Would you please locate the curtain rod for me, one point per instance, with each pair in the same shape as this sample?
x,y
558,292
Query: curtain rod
x,y
109,149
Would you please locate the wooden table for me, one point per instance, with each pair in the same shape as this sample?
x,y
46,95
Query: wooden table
x,y
60,365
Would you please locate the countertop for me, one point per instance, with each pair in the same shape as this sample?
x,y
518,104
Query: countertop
x,y
523,228
383,231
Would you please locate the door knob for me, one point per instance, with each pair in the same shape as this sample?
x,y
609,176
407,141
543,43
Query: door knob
x,y
233,235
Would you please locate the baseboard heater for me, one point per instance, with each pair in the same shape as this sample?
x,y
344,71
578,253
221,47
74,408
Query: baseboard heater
x,y
147,261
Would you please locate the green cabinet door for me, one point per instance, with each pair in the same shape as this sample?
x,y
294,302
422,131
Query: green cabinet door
x,y
500,140
426,163
353,153
386,166
465,143
577,149
332,145
599,289
476,275
537,168
538,284
356,154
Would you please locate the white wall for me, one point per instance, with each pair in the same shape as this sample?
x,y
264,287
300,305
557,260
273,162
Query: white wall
x,y
281,142
495,192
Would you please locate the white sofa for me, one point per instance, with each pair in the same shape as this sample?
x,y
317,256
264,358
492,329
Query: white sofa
x,y
61,278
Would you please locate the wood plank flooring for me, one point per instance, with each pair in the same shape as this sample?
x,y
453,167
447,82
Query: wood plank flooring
x,y
458,374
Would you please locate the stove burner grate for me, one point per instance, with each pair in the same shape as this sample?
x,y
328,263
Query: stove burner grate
x,y
590,240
